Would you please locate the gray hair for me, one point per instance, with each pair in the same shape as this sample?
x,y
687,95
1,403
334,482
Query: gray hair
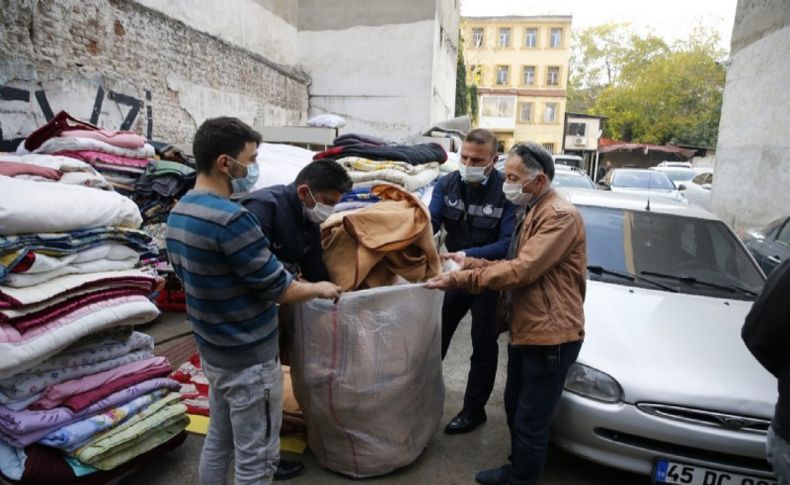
x,y
535,158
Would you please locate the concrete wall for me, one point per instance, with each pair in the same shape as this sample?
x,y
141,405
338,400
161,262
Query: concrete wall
x,y
750,187
123,65
387,67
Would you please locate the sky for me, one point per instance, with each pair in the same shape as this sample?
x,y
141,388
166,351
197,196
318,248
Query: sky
x,y
669,19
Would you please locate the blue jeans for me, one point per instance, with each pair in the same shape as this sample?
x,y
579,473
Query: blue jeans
x,y
246,415
778,453
535,379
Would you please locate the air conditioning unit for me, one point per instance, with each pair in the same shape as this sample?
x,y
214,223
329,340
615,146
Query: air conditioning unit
x,y
580,141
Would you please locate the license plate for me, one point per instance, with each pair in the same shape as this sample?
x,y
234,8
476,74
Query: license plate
x,y
673,472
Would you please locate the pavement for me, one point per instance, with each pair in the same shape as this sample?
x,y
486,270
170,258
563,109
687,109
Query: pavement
x,y
447,459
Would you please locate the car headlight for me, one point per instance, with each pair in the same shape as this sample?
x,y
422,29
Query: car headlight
x,y
592,383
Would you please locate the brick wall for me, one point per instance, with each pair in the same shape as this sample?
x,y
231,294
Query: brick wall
x,y
123,65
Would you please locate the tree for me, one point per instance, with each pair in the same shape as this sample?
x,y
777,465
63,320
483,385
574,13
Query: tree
x,y
473,107
461,93
650,91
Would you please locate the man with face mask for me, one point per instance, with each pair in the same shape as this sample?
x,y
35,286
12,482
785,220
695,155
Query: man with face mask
x,y
479,222
233,283
543,279
290,215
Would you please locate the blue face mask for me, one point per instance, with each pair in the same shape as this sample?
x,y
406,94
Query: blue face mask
x,y
245,184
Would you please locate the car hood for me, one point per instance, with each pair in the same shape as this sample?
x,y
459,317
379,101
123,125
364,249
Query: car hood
x,y
671,348
661,193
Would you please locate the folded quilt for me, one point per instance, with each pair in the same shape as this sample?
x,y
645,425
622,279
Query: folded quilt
x,y
122,139
76,435
20,352
106,257
54,162
170,430
25,208
76,144
97,158
95,353
18,297
31,389
14,249
413,154
159,414
14,169
22,428
59,394
390,176
365,165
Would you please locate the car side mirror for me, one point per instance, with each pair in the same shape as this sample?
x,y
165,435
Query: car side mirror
x,y
682,187
706,186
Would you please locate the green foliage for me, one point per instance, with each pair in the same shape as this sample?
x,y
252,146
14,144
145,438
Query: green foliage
x,y
473,106
652,92
461,94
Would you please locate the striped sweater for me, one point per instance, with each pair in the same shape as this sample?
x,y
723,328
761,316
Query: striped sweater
x,y
230,277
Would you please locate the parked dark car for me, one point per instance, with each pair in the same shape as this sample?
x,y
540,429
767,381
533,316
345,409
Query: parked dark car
x,y
770,245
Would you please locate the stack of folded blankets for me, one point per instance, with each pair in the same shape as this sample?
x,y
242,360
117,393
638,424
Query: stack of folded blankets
x,y
121,156
371,161
82,397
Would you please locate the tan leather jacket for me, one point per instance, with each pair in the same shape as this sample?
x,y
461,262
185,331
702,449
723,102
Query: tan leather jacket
x,y
547,279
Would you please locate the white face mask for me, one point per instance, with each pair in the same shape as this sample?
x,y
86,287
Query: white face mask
x,y
320,212
473,175
513,193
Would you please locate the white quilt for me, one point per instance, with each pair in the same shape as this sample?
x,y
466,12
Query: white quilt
x,y
75,172
280,164
19,357
50,289
28,207
107,257
68,143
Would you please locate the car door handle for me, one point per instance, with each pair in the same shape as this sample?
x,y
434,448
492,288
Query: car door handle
x,y
775,259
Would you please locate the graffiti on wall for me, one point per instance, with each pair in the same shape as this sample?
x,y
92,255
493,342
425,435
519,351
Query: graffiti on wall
x,y
26,105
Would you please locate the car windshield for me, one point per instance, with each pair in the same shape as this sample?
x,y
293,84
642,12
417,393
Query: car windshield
x,y
642,179
694,256
567,178
680,174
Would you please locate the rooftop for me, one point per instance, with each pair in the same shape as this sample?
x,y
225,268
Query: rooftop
x,y
522,18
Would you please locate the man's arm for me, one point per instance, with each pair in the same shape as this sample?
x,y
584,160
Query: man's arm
x,y
436,206
498,249
546,248
766,331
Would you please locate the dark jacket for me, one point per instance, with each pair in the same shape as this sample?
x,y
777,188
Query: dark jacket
x,y
294,239
767,335
478,218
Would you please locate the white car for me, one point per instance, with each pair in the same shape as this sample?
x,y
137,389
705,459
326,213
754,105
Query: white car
x,y
674,164
678,175
698,190
566,176
664,385
650,184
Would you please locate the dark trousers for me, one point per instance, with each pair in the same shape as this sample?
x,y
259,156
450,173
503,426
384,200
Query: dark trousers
x,y
485,350
535,378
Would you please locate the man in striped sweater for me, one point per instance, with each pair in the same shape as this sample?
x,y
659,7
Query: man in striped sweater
x,y
233,284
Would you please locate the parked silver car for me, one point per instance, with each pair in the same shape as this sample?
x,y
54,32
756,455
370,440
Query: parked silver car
x,y
644,182
664,386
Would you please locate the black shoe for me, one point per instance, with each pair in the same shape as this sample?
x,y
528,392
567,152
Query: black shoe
x,y
287,470
494,476
464,423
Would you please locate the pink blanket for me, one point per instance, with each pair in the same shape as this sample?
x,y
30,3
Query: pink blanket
x,y
123,139
92,157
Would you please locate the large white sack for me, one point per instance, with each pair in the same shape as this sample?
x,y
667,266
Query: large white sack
x,y
368,375
280,164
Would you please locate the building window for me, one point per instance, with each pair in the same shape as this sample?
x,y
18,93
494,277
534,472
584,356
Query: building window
x,y
529,75
498,106
531,38
477,37
556,38
549,147
577,129
553,76
526,112
502,75
550,115
504,37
